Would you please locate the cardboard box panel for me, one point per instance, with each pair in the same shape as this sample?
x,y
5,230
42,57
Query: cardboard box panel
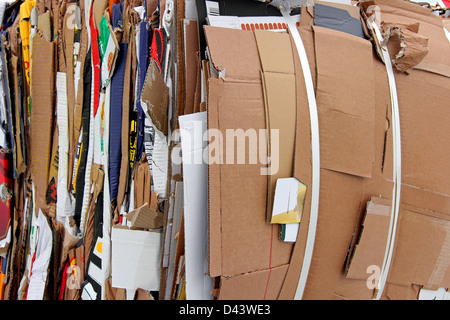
x,y
345,100
422,253
233,52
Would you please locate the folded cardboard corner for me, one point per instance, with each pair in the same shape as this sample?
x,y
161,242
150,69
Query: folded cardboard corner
x,y
145,217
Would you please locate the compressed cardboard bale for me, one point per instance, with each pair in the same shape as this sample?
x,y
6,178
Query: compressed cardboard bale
x,y
419,187
351,177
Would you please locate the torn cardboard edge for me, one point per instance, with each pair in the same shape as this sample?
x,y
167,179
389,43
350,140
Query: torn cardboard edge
x,y
430,26
412,47
371,243
155,98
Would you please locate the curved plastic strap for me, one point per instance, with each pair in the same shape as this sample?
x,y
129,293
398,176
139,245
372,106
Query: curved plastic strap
x,y
397,166
447,33
315,150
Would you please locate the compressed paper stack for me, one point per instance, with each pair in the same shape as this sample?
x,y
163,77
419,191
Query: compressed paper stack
x,y
223,150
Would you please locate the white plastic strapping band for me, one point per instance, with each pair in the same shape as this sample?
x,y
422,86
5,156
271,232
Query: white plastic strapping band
x,y
315,151
397,167
447,33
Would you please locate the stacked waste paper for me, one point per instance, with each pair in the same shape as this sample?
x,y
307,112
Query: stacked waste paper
x,y
218,150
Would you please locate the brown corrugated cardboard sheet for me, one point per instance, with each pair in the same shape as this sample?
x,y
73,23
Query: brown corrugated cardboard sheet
x,y
42,113
155,94
354,107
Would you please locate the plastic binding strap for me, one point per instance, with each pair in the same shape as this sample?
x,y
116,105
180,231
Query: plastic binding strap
x,y
315,150
397,170
447,33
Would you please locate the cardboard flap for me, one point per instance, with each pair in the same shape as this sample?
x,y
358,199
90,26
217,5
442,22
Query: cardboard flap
x,y
238,192
371,246
45,25
275,51
279,84
345,101
345,146
340,17
155,94
431,27
233,52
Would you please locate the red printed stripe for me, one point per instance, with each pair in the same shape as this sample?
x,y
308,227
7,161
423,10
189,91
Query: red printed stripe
x,y
265,26
95,61
63,282
31,272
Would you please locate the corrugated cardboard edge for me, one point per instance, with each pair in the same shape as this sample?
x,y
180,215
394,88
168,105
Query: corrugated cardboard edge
x,y
214,192
191,43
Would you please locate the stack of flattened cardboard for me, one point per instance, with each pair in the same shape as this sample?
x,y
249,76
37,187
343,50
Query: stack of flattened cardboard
x,y
83,148
356,130
218,150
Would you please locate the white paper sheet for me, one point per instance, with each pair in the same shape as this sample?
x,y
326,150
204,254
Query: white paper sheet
x,y
65,203
39,269
195,179
135,259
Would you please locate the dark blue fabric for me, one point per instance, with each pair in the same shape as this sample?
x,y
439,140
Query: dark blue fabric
x,y
117,15
115,121
143,65
10,16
